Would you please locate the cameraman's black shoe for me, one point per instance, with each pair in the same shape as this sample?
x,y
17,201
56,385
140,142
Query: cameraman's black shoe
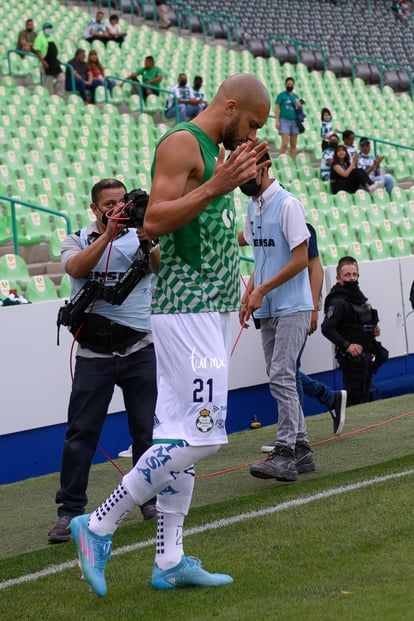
x,y
149,509
60,532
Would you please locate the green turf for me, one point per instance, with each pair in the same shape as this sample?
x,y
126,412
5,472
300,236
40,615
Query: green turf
x,y
345,557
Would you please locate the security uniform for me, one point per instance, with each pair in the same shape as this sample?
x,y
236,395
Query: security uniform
x,y
350,319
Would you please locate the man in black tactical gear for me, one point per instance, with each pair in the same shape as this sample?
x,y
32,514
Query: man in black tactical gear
x,y
351,324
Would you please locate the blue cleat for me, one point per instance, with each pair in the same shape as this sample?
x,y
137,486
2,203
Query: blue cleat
x,y
93,551
187,573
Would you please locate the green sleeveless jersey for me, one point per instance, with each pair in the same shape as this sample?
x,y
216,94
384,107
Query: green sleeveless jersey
x,y
199,269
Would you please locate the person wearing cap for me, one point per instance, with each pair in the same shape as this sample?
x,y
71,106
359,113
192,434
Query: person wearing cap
x,y
84,80
371,165
46,50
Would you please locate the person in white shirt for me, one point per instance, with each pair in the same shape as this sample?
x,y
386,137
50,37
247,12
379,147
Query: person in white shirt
x,y
182,96
371,165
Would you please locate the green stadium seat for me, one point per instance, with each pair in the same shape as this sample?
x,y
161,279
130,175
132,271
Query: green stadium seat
x,y
8,286
36,229
362,199
55,242
394,212
335,216
375,214
400,247
330,255
379,250
367,232
64,286
357,250
387,230
41,288
14,267
343,234
356,215
406,229
343,199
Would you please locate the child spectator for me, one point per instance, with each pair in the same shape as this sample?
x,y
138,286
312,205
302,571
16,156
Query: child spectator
x,y
97,71
326,127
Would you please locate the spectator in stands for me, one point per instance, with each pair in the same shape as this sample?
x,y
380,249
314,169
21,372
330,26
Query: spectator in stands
x,y
400,9
150,74
96,30
46,49
199,91
348,138
287,104
115,347
188,104
351,324
371,165
326,127
327,157
345,174
162,12
26,37
84,80
113,30
98,73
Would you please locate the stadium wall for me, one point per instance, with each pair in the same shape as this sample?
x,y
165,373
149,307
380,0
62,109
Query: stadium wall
x,y
35,373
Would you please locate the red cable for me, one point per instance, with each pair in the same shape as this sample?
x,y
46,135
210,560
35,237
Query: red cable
x,y
331,439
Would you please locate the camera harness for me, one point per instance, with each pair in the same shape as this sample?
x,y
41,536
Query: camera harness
x,y
71,313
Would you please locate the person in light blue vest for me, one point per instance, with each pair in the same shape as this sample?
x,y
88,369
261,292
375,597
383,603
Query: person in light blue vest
x,y
115,347
279,295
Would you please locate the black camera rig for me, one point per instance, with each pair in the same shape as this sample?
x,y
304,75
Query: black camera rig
x,y
71,313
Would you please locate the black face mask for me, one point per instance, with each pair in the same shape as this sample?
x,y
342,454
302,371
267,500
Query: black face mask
x,y
352,285
289,89
251,188
182,83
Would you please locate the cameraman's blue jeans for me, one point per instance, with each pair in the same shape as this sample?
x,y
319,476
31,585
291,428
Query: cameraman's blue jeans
x,y
92,389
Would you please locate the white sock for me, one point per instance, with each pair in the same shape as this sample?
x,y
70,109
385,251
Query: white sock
x,y
169,548
108,516
173,503
155,470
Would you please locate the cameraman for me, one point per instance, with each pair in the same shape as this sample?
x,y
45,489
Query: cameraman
x,y
115,347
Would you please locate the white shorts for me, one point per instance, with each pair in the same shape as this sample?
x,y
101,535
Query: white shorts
x,y
193,355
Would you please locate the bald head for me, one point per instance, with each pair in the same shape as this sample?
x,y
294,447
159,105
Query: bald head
x,y
244,88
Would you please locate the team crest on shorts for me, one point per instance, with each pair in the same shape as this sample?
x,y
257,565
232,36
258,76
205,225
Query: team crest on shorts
x,y
204,422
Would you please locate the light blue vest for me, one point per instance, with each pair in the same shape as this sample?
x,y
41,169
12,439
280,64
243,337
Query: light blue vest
x,y
271,253
134,312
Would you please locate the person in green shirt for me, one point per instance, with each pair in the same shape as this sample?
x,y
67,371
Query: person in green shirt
x,y
286,105
150,74
46,50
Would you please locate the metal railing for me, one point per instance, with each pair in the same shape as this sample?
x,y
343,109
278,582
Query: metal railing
x,y
69,67
32,206
298,45
380,64
140,86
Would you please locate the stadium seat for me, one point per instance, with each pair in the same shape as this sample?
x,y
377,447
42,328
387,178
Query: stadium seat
x,y
379,250
357,250
400,247
36,229
387,230
14,267
406,229
7,287
330,255
336,216
41,288
64,286
367,232
55,243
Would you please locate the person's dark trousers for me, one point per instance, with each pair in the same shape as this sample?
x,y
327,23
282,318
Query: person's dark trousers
x,y
357,377
80,86
93,385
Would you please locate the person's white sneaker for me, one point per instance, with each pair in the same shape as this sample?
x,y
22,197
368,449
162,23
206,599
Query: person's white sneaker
x,y
375,186
127,453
